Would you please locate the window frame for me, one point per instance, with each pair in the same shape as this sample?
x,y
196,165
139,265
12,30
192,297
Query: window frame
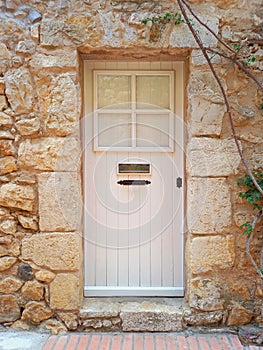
x,y
134,111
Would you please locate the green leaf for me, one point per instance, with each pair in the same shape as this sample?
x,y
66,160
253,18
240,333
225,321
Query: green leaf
x,y
248,229
261,106
236,47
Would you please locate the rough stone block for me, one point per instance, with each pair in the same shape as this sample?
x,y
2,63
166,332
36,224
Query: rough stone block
x,y
6,262
2,86
36,312
9,310
203,319
209,253
5,120
239,316
149,317
56,191
33,290
28,126
209,205
10,285
28,222
65,293
8,226
7,148
7,165
63,108
61,59
57,251
17,196
3,104
45,276
50,154
182,37
204,295
212,157
19,90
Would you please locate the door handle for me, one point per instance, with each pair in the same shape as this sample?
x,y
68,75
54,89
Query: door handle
x,y
134,182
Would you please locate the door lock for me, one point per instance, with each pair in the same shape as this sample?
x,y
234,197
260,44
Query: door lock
x,y
179,182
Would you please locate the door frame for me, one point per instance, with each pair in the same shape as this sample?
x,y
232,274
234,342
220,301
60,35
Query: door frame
x,y
179,67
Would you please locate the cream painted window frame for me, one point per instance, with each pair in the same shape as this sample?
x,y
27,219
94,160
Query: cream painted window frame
x,y
134,111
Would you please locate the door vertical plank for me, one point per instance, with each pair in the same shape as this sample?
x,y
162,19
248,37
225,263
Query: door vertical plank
x,y
157,210
167,215
145,234
123,234
101,243
134,229
112,219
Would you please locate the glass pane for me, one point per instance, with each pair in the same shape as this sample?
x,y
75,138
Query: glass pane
x,y
152,130
114,91
153,91
114,130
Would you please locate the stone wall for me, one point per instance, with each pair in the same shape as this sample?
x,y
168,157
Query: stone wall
x,y
42,44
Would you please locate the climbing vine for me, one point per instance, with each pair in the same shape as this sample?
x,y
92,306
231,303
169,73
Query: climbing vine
x,y
240,55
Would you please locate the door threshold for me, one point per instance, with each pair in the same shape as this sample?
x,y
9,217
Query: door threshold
x,y
139,314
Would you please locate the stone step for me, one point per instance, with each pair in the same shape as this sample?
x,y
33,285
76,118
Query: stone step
x,y
133,314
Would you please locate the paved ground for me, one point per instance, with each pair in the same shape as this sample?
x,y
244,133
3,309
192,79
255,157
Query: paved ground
x,y
13,340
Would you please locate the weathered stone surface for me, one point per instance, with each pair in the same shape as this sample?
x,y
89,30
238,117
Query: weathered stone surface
x,y
6,262
6,135
9,310
36,312
5,120
239,315
50,154
202,319
212,157
28,222
26,178
104,308
7,148
182,37
3,103
70,320
56,190
48,250
28,127
150,318
2,86
204,295
7,165
45,276
19,324
209,205
26,47
19,90
5,58
10,285
17,196
65,292
63,111
54,326
8,226
60,59
209,253
33,290
35,32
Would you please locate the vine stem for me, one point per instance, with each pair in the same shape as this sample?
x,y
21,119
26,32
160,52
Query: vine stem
x,y
225,97
248,241
239,64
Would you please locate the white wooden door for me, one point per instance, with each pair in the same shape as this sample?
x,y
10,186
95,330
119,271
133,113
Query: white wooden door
x,y
133,219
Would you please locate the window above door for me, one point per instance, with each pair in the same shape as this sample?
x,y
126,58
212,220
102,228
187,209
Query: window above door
x,y
133,111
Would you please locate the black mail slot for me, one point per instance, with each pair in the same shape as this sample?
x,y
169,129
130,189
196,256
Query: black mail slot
x,y
134,168
134,182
